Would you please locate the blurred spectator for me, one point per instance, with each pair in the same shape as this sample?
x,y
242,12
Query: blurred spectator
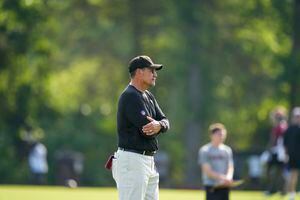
x,y
292,142
216,161
254,171
69,166
162,162
38,165
276,161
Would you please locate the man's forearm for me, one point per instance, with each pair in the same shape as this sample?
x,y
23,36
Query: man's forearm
x,y
212,174
230,171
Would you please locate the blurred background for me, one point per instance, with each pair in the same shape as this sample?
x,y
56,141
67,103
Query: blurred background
x,y
64,63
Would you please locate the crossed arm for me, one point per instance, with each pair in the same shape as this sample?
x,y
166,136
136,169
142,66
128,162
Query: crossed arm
x,y
225,179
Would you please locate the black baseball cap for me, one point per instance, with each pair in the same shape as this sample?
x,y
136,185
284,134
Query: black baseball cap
x,y
143,62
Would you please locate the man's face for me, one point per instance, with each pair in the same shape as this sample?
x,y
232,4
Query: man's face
x,y
149,76
296,119
218,136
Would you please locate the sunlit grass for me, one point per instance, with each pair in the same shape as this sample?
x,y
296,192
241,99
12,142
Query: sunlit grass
x,y
63,193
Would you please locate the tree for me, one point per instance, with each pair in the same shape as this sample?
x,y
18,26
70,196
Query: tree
x,y
293,62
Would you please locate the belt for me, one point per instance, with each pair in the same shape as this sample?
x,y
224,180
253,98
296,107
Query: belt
x,y
146,153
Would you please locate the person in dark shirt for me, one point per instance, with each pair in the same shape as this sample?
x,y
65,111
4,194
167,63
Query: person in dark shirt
x,y
291,143
139,121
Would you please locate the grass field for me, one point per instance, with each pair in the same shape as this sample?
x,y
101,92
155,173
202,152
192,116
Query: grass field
x,y
63,193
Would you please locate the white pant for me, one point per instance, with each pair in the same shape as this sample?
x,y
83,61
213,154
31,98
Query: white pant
x,y
136,176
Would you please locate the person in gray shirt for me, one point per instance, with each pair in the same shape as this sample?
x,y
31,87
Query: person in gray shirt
x,y
215,159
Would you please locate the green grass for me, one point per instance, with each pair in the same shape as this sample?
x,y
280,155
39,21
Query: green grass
x,y
63,193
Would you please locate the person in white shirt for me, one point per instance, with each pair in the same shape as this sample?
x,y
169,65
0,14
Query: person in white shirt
x,y
38,163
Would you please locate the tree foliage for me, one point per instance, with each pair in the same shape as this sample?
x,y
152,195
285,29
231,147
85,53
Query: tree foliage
x,y
63,65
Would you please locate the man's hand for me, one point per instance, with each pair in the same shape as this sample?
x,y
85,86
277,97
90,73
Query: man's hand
x,y
226,182
153,127
222,179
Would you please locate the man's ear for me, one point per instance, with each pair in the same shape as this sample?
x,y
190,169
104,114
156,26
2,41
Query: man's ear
x,y
139,71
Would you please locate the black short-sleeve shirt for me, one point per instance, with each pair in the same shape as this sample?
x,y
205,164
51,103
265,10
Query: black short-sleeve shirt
x,y
133,108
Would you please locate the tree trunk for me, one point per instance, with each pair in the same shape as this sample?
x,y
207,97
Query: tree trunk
x,y
193,133
192,26
294,68
135,17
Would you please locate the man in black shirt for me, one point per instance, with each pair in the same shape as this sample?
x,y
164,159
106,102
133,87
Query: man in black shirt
x,y
140,120
291,143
